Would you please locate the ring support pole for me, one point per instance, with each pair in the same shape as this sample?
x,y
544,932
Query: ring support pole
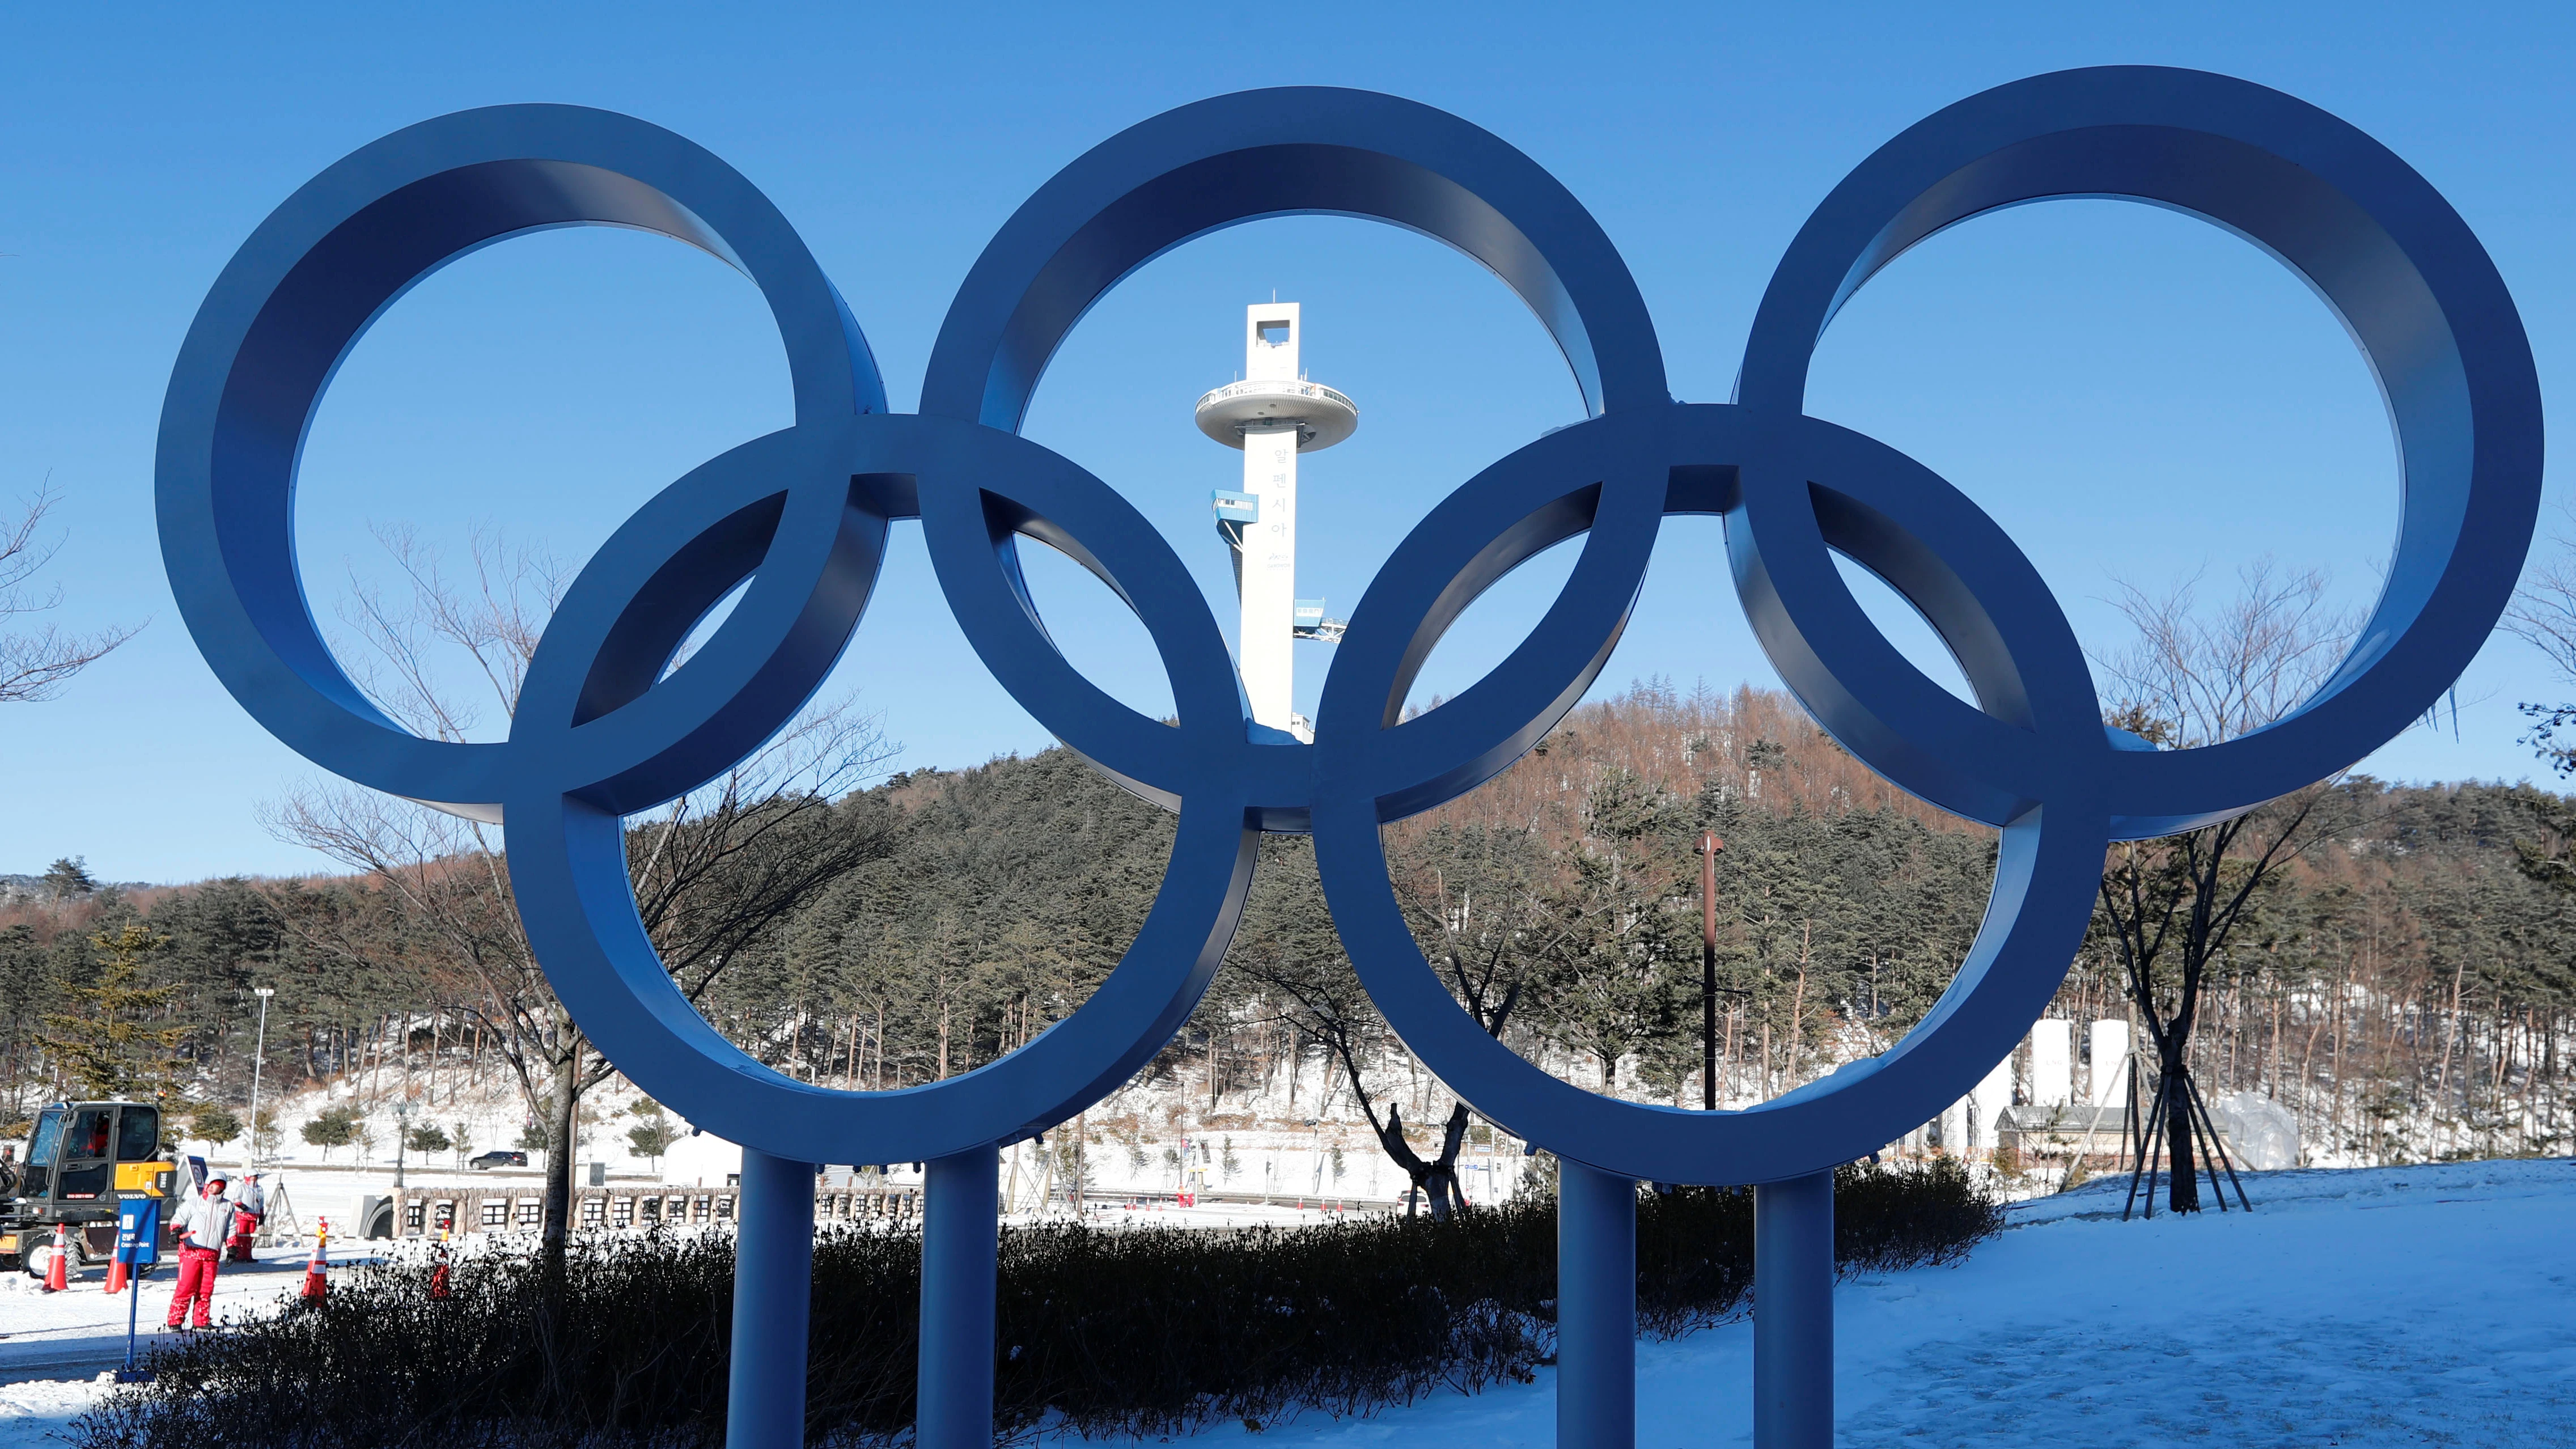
x,y
773,1284
960,1212
1793,1313
1596,1309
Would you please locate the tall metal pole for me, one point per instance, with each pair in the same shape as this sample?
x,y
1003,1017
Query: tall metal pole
x,y
960,1210
1081,1122
1596,1308
773,1285
1709,846
258,1054
1793,1313
403,1111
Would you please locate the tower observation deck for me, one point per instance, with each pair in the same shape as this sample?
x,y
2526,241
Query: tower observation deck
x,y
1273,415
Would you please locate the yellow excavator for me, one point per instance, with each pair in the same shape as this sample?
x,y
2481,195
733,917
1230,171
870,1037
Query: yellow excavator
x,y
81,1159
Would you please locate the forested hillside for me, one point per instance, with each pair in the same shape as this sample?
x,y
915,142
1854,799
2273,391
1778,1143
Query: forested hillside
x,y
2406,987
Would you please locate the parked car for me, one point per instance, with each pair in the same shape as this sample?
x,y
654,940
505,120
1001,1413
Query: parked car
x,y
497,1157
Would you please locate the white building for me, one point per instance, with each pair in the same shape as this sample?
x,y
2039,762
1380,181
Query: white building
x,y
2052,1062
2109,1071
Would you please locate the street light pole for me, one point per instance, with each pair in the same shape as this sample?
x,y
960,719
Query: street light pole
x,y
1709,846
258,1054
403,1111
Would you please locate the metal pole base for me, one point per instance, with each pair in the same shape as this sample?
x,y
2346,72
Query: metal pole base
x,y
960,1217
1596,1309
1793,1313
773,1282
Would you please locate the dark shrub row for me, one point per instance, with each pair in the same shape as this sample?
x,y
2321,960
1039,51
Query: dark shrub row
x,y
1150,1331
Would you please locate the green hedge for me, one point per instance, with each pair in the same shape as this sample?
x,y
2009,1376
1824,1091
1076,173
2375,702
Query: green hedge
x,y
1138,1331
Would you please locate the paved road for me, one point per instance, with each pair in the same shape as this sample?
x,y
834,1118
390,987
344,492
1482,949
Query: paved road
x,y
76,1335
63,1358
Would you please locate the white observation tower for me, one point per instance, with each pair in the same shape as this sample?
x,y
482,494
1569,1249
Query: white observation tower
x,y
1272,415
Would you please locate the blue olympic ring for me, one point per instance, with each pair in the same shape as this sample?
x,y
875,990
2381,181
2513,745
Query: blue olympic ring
x,y
802,514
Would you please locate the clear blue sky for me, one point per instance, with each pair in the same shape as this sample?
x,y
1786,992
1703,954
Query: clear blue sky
x,y
2132,394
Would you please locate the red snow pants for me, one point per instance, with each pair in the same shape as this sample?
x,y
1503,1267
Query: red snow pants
x,y
196,1283
237,1247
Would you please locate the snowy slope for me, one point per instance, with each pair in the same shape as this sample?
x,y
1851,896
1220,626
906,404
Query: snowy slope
x,y
2383,1307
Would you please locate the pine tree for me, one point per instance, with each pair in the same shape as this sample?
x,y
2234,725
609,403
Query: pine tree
x,y
653,1132
68,879
215,1124
333,1126
105,1044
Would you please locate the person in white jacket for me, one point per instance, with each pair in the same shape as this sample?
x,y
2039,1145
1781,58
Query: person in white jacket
x,y
250,1204
202,1222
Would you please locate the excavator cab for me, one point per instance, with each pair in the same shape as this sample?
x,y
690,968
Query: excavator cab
x,y
82,1157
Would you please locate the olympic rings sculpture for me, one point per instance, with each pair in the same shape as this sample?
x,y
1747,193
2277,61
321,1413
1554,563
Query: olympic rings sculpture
x,y
803,514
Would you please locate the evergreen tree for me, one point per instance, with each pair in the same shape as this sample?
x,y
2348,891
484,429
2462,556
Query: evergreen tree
x,y
653,1132
68,879
110,1045
214,1124
333,1126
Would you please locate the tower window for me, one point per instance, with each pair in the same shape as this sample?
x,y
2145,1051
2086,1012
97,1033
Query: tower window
x,y
1272,334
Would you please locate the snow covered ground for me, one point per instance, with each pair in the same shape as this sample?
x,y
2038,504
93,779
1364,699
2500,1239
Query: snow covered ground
x,y
53,1346
43,1333
2379,1307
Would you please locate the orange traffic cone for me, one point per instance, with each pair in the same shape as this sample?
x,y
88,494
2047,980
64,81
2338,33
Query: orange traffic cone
x,y
317,1282
115,1276
58,1273
438,1275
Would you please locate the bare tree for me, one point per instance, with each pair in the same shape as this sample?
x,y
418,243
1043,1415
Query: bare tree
x,y
2212,676
2543,615
1473,899
713,872
34,663
1470,899
2171,907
